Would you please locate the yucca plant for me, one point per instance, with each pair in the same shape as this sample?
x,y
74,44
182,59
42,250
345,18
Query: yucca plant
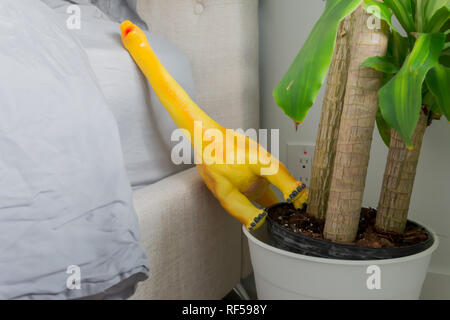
x,y
376,74
416,92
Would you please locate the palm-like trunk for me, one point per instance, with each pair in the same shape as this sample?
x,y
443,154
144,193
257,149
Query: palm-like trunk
x,y
327,136
399,180
355,132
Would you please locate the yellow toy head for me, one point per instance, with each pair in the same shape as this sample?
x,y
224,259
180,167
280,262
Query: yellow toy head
x,y
132,34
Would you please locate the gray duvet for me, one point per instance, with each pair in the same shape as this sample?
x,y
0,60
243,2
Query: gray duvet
x,y
67,226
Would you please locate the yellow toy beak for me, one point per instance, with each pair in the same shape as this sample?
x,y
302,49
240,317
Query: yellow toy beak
x,y
127,27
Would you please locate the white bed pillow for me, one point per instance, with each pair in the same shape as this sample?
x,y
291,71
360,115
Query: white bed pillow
x,y
145,126
114,10
120,10
65,199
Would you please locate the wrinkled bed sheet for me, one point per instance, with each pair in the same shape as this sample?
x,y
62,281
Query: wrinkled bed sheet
x,y
65,199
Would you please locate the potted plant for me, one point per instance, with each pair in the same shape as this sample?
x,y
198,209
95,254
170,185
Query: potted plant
x,y
377,73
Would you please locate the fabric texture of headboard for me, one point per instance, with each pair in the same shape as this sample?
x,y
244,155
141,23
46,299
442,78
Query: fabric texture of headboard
x,y
220,38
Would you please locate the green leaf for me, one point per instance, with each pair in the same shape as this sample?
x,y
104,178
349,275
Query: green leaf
x,y
430,101
446,30
445,58
380,10
438,82
420,15
431,15
403,10
438,20
382,64
298,89
432,6
399,47
384,129
401,98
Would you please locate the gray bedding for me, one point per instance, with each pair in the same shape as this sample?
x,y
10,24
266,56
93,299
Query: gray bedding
x,y
145,127
113,10
66,214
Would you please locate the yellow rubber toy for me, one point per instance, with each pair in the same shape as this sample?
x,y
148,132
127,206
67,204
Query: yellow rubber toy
x,y
235,185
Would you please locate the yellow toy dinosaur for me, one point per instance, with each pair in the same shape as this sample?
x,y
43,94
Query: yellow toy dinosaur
x,y
234,184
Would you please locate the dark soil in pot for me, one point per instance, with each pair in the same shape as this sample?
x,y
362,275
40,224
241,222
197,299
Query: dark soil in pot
x,y
294,231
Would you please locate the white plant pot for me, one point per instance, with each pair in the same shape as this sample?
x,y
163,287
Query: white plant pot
x,y
284,275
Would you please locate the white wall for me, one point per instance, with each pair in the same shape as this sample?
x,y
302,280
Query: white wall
x,y
284,26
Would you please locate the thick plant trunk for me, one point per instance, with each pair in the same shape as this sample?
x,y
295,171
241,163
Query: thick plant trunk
x,y
399,180
327,135
355,132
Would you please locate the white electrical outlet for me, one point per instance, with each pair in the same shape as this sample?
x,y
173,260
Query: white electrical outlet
x,y
300,161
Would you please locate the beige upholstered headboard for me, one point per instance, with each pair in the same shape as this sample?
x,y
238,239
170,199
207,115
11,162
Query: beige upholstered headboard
x,y
221,39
